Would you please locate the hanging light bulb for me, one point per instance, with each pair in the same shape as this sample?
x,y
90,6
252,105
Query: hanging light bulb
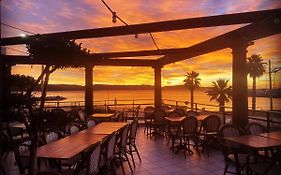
x,y
136,35
114,16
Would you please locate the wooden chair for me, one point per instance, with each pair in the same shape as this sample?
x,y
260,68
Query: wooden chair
x,y
181,111
91,123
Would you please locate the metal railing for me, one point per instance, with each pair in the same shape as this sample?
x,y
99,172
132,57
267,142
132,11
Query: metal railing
x,y
270,118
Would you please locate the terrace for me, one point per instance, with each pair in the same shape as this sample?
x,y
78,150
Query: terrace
x,y
157,158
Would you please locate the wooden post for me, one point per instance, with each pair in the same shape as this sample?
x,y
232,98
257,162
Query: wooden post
x,y
157,87
89,90
239,84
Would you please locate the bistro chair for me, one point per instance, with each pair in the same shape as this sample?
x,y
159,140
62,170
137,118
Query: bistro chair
x,y
181,111
22,161
89,164
233,153
209,130
188,133
171,127
191,113
74,129
148,111
91,123
107,154
121,151
52,135
158,122
254,128
131,141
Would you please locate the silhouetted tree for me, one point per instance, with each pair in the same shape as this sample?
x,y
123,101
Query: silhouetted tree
x,y
192,82
220,92
55,53
256,68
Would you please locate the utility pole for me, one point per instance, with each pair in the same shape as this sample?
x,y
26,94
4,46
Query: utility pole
x,y
270,85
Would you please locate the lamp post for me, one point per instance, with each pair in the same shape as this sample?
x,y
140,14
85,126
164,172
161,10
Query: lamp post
x,y
276,69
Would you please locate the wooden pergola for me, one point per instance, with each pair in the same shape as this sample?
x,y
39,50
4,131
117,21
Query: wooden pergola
x,y
260,24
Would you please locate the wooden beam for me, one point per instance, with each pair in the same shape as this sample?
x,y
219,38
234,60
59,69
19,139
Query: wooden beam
x,y
17,59
251,32
209,21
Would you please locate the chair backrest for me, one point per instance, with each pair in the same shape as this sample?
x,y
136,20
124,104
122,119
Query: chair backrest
x,y
74,129
121,117
91,123
181,111
174,114
190,125
94,158
255,128
211,123
148,111
133,129
124,136
22,161
110,146
137,111
82,115
191,113
230,130
159,115
51,136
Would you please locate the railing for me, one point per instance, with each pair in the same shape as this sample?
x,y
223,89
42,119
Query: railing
x,y
270,118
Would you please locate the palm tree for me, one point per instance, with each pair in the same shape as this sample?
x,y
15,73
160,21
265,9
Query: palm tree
x,y
256,69
220,92
192,82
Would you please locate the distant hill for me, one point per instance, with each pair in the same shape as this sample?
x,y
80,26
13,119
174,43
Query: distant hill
x,y
276,93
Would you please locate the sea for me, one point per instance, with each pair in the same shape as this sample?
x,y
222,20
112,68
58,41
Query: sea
x,y
170,96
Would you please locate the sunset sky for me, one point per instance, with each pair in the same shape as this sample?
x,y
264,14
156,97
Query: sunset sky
x,y
40,16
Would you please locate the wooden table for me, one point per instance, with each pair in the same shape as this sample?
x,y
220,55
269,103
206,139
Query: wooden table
x,y
69,146
256,142
175,119
273,135
102,116
106,128
201,117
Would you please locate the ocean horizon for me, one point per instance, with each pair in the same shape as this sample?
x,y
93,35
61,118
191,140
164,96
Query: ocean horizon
x,y
147,96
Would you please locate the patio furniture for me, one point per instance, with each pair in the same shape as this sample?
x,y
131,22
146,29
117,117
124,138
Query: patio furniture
x,y
105,128
188,133
89,164
131,142
191,113
209,130
91,123
273,135
74,129
181,111
121,151
233,153
148,111
107,154
22,161
132,114
174,120
158,122
254,128
102,117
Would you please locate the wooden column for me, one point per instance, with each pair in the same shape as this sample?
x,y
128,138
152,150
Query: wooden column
x,y
157,87
239,84
1,90
89,90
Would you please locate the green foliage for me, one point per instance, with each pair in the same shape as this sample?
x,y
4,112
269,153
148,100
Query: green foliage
x,y
57,51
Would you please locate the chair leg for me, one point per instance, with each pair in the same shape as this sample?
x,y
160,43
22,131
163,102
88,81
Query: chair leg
x,y
225,169
131,153
128,161
136,149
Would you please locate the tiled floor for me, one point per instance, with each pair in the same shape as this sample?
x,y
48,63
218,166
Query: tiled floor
x,y
158,159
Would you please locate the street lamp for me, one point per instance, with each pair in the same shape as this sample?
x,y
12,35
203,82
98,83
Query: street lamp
x,y
276,69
